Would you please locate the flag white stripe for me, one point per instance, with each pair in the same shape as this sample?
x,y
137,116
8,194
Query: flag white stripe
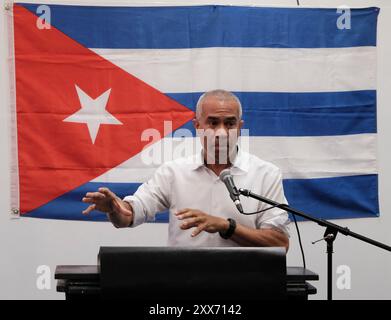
x,y
298,157
250,69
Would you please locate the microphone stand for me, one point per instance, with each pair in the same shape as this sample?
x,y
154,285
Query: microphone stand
x,y
329,235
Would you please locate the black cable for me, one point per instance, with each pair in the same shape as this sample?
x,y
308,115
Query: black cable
x,y
298,3
250,213
301,245
297,229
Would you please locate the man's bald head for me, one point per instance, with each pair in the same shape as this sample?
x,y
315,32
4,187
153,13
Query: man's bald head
x,y
220,95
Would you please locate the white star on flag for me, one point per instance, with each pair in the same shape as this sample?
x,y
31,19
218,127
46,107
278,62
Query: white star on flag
x,y
93,112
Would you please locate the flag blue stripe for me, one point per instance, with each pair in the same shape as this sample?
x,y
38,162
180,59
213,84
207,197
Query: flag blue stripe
x,y
211,26
335,198
301,114
328,198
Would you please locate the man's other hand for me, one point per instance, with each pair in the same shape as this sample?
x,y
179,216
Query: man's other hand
x,y
201,221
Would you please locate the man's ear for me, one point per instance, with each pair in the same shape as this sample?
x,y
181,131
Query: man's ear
x,y
196,123
241,122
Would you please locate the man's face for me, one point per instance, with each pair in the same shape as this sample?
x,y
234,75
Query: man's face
x,y
219,127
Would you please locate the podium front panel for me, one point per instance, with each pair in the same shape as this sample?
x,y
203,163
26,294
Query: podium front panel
x,y
184,273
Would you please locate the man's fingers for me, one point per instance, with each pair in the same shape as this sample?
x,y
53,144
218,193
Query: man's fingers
x,y
95,195
189,214
88,200
192,222
101,198
89,209
198,230
182,211
107,192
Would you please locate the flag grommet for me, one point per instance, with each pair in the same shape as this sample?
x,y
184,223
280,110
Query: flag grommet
x,y
7,6
15,212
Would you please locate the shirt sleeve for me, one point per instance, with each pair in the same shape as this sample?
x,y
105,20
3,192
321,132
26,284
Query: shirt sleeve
x,y
274,218
151,197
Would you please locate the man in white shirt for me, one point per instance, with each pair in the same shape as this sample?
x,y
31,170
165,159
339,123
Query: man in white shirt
x,y
201,211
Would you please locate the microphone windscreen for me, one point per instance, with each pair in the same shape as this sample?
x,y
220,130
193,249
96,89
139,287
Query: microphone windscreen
x,y
224,174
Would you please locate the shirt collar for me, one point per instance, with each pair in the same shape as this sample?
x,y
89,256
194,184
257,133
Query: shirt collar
x,y
239,166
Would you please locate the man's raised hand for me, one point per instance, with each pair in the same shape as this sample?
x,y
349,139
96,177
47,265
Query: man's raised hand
x,y
120,213
106,201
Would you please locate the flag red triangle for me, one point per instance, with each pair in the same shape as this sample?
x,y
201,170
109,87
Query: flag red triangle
x,y
56,156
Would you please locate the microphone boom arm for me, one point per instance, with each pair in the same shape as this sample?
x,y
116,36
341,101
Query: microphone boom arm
x,y
324,223
329,235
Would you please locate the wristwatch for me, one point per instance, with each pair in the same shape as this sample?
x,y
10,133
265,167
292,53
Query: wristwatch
x,y
230,231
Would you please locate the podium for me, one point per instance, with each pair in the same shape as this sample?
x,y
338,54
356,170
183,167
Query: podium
x,y
187,274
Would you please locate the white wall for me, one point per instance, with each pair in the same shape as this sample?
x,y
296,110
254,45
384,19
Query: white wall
x,y
27,243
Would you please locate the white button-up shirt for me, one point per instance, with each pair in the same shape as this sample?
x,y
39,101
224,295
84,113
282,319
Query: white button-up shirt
x,y
188,183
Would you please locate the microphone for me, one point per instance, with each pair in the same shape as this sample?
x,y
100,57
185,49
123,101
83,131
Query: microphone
x,y
228,180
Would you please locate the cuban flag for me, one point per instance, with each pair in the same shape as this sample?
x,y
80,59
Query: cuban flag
x,y
89,85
